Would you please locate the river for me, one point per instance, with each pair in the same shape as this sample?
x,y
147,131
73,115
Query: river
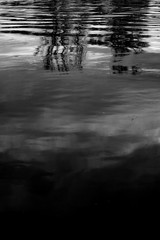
x,y
79,82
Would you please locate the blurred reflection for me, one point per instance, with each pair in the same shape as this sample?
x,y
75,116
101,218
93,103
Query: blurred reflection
x,y
68,28
128,31
120,25
63,48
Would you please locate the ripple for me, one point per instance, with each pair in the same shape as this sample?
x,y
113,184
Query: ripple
x,y
73,26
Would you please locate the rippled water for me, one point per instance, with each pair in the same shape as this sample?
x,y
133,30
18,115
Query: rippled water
x,y
101,34
78,78
79,66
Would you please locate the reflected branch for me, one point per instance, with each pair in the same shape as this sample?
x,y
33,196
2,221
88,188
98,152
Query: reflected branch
x,y
74,25
63,48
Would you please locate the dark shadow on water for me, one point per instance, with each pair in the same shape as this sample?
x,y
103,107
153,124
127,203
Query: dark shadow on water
x,y
132,185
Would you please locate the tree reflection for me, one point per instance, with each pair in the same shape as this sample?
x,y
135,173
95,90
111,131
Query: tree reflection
x,y
127,32
76,24
63,48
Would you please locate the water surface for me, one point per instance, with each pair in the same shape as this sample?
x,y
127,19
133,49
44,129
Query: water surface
x,y
78,78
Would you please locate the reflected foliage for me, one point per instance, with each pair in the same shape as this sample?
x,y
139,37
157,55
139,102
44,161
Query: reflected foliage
x,y
63,46
128,32
67,27
120,25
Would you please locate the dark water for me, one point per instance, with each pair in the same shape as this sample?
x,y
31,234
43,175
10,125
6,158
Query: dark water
x,y
79,91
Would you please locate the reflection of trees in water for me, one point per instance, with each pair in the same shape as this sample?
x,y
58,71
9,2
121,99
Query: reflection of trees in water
x,y
125,27
63,45
127,32
63,48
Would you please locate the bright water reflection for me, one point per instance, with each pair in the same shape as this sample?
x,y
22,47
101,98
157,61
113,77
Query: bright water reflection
x,y
68,29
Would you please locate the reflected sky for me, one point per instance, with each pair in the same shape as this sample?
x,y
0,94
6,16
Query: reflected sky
x,y
73,70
